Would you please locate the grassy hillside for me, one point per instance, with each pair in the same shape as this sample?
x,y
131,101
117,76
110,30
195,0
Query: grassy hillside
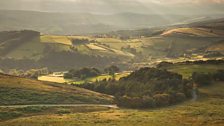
x,y
35,47
23,50
208,110
10,41
146,45
109,49
198,32
15,90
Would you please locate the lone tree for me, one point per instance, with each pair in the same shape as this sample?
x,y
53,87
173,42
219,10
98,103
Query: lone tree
x,y
111,70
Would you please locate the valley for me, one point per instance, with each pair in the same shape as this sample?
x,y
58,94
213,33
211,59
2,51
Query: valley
x,y
118,69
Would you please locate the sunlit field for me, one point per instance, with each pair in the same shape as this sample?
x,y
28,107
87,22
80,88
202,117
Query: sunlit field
x,y
102,77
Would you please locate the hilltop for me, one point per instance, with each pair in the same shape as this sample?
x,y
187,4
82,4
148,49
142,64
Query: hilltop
x,y
65,23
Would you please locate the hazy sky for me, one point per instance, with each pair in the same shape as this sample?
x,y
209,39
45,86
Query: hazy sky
x,y
117,6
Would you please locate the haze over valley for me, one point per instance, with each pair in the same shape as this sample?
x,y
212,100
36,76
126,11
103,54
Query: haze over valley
x,y
111,62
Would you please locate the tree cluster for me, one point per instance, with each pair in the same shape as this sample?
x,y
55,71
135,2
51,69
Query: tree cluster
x,y
80,41
82,73
111,70
146,88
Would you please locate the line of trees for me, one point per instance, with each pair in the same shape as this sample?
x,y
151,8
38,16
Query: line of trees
x,y
85,72
82,73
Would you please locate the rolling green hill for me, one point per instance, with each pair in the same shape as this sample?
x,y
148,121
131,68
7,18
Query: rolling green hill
x,y
35,47
121,47
37,50
15,91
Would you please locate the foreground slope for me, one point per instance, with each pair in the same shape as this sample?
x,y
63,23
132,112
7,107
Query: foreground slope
x,y
15,90
208,110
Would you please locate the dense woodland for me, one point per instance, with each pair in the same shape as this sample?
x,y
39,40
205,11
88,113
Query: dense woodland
x,y
152,87
147,87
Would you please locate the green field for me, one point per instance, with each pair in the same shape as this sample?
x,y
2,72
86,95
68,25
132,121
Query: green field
x,y
187,70
66,40
208,110
102,77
